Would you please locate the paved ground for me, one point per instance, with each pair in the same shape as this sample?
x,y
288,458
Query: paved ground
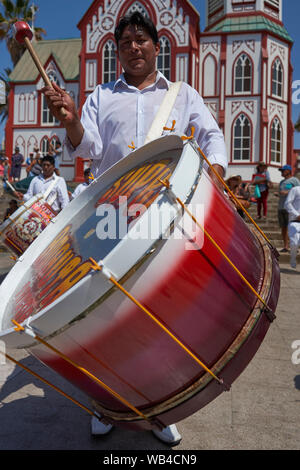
x,y
261,411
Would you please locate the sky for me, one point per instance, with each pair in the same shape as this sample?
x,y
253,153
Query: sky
x,y
60,18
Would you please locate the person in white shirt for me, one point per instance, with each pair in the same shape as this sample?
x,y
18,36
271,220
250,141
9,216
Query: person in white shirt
x,y
120,113
56,153
292,206
58,196
81,187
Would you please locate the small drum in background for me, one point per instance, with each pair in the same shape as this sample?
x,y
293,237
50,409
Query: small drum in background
x,y
21,228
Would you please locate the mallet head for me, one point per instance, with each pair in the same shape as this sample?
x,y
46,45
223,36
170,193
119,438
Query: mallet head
x,y
21,31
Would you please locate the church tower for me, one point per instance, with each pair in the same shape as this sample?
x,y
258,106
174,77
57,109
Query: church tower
x,y
246,81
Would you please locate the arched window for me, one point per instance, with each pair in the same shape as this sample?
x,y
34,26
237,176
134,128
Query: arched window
x,y
109,62
47,117
137,6
209,76
45,146
164,57
276,141
242,139
277,78
243,74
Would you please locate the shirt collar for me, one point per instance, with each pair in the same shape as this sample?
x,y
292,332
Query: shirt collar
x,y
160,80
53,177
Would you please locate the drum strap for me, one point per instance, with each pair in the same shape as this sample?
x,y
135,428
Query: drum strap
x,y
164,112
48,191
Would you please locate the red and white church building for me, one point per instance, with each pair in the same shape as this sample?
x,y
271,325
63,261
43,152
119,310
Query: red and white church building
x,y
240,64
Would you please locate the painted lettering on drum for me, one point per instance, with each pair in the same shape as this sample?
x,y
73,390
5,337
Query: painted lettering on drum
x,y
55,271
140,185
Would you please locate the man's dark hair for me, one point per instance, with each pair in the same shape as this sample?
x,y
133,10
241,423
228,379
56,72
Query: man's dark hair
x,y
87,171
136,19
50,159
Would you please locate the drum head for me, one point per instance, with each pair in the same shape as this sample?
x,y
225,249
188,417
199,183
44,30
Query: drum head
x,y
104,222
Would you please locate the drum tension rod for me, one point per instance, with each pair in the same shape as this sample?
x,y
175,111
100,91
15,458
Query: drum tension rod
x,y
45,381
29,330
108,275
219,177
177,199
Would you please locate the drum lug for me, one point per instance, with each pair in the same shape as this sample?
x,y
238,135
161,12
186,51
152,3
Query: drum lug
x,y
269,314
224,385
274,251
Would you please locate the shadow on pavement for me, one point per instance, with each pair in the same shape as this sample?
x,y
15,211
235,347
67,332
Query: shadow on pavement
x,y
34,416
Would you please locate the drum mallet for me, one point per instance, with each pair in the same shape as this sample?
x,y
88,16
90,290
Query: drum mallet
x,y
23,34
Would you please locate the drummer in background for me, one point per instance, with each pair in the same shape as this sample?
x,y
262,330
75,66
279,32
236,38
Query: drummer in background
x,y
39,184
121,112
81,187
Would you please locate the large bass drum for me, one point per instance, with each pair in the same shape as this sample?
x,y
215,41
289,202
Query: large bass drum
x,y
200,307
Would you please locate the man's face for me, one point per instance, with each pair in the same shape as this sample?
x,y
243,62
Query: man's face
x,y
285,173
48,169
87,178
137,52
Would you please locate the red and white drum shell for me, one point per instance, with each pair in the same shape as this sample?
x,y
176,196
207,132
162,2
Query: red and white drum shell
x,y
180,277
21,228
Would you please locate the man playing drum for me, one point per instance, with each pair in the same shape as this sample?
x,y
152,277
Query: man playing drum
x,y
58,196
117,116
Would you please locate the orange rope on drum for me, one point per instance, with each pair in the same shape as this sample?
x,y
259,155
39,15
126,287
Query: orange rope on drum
x,y
98,267
233,196
50,384
167,185
84,371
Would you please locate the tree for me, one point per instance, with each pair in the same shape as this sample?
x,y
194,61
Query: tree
x,y
10,13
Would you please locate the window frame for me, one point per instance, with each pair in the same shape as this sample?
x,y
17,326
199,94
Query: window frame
x,y
242,78
275,150
242,138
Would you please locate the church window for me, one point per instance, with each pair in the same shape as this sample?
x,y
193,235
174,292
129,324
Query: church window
x,y
276,141
242,139
243,74
47,117
164,57
109,62
277,78
209,76
45,147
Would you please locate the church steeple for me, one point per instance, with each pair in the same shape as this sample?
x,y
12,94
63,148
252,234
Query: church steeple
x,y
217,9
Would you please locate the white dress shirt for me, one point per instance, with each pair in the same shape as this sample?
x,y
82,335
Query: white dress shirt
x,y
292,203
59,193
116,115
78,190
